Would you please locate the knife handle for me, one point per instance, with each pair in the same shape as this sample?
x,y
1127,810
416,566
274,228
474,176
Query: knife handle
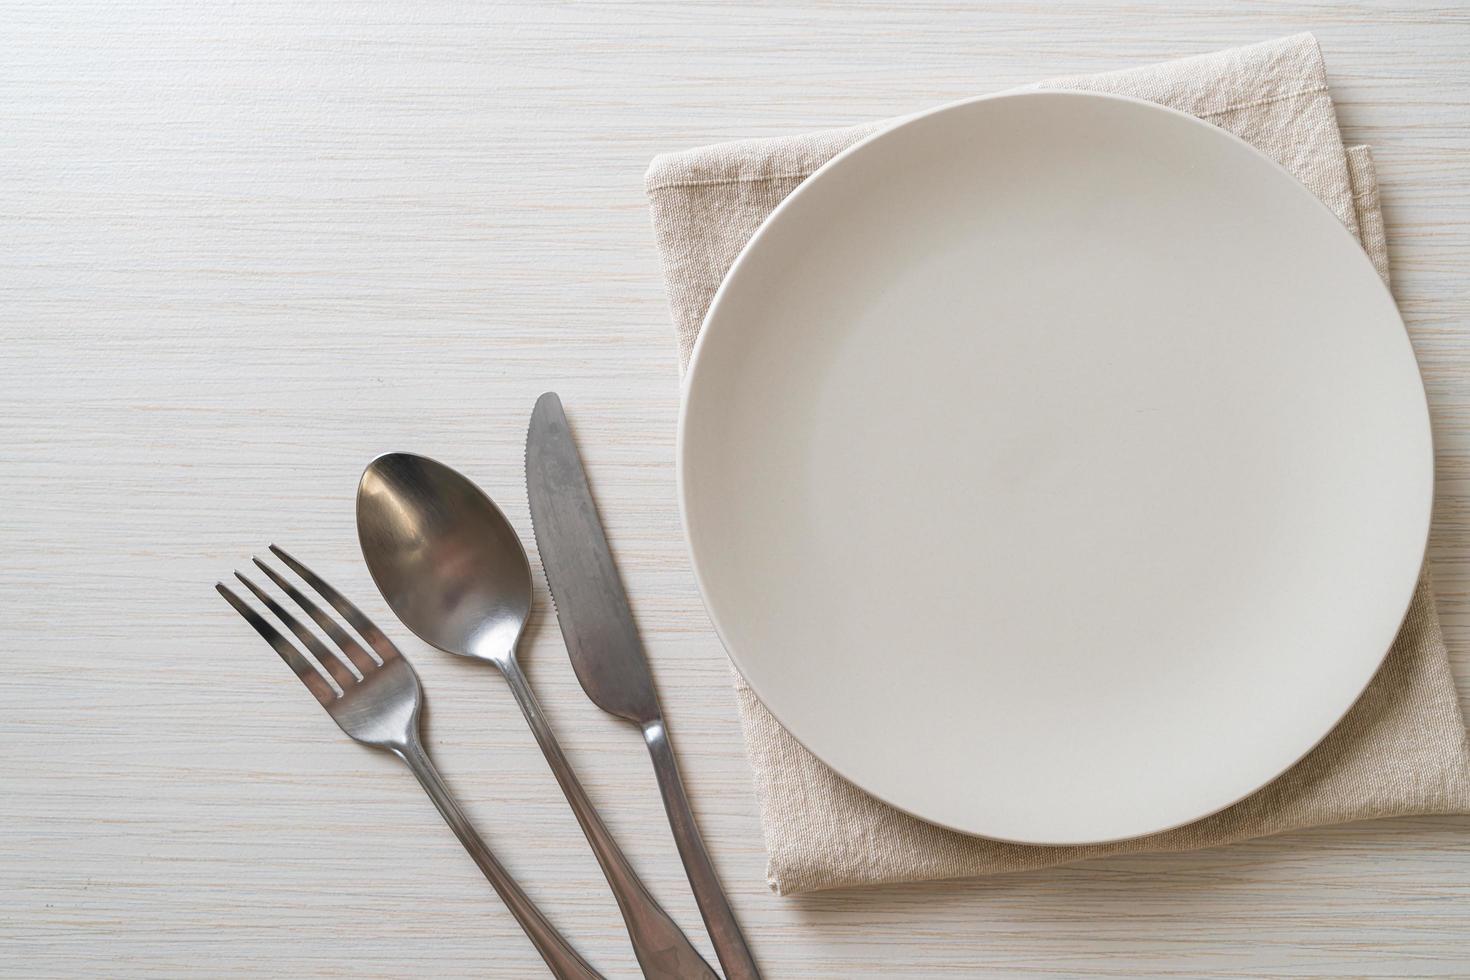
x,y
719,918
663,951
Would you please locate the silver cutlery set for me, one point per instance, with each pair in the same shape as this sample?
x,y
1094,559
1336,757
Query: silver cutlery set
x,y
452,568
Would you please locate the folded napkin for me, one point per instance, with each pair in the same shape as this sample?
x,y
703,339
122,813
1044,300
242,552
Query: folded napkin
x,y
1402,749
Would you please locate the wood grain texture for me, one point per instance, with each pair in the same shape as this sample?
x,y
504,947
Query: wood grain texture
x,y
245,247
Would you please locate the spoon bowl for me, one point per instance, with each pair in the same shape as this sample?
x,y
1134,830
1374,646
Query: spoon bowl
x,y
444,556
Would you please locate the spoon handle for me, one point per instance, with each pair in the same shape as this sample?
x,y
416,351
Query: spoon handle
x,y
719,919
554,949
663,951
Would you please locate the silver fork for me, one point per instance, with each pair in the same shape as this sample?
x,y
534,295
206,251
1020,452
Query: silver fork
x,y
376,699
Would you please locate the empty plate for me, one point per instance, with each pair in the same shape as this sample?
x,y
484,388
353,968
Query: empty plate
x,y
1055,467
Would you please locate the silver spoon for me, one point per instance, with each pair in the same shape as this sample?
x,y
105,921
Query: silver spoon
x,y
454,571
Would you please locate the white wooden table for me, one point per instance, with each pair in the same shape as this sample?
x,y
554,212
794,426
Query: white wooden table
x,y
245,247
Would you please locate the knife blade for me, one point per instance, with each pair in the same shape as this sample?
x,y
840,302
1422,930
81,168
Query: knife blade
x,y
591,605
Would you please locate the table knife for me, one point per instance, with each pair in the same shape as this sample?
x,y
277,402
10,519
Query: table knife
x,y
606,652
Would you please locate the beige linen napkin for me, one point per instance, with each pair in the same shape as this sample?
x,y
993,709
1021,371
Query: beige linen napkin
x,y
1402,749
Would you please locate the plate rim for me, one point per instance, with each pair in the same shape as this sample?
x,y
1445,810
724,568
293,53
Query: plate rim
x,y
888,132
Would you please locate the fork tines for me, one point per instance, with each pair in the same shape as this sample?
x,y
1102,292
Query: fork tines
x,y
327,674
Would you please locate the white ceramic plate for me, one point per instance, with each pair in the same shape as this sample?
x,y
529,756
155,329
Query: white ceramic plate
x,y
1055,467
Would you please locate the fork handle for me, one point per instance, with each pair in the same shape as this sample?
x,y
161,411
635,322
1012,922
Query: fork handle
x,y
663,951
553,947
